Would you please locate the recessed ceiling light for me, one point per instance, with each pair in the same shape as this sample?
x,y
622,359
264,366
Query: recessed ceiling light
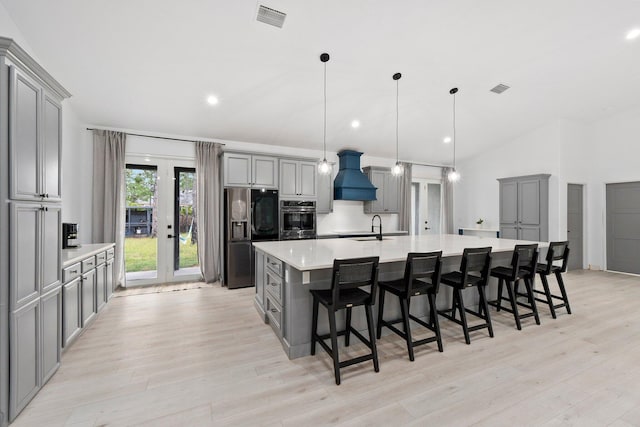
x,y
633,34
447,140
212,100
355,124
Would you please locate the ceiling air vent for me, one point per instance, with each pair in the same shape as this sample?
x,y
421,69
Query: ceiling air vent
x,y
499,89
271,16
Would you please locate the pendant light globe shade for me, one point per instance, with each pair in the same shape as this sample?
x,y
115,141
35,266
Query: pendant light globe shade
x,y
324,168
397,169
453,176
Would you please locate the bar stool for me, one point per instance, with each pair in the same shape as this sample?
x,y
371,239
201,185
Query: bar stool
x,y
349,275
478,261
523,267
421,277
558,251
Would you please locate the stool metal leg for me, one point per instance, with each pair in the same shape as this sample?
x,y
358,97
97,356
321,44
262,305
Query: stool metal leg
x,y
334,344
347,331
380,314
514,305
528,284
314,325
564,292
463,316
407,327
547,292
434,320
372,338
499,302
485,305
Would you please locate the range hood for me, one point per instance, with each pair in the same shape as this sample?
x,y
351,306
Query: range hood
x,y
351,183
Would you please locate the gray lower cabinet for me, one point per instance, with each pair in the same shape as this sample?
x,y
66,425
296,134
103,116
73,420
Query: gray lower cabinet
x,y
72,310
88,295
24,377
259,298
269,300
524,207
109,272
101,289
51,315
388,190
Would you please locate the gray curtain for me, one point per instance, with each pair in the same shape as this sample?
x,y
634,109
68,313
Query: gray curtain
x,y
447,202
404,219
208,196
109,193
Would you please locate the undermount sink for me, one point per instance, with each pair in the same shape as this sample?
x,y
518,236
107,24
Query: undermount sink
x,y
369,239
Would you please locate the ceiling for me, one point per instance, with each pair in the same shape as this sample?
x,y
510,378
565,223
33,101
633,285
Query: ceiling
x,y
149,65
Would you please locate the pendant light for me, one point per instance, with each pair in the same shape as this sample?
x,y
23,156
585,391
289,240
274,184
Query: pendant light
x,y
324,168
397,169
454,175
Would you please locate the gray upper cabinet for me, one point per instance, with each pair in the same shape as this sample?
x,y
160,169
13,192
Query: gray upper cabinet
x,y
387,193
246,170
35,140
51,147
25,247
524,207
324,204
298,179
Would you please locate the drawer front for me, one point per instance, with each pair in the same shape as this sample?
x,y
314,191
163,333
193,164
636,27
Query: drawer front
x,y
274,264
71,272
88,264
274,286
111,253
101,258
274,314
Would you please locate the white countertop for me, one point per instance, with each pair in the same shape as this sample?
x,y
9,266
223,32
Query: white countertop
x,y
71,256
337,233
318,254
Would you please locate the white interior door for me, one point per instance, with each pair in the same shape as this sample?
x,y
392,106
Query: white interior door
x,y
426,203
160,245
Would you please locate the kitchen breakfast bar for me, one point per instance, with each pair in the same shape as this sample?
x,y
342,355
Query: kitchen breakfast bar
x,y
287,270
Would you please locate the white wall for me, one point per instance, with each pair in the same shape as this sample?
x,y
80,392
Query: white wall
x,y
476,195
592,154
77,173
9,29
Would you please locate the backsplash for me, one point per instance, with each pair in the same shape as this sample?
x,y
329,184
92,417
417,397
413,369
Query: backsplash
x,y
348,215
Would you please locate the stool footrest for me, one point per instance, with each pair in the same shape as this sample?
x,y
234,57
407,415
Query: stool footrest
x,y
356,360
552,296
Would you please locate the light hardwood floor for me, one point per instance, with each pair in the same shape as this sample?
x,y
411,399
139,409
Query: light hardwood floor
x,y
203,357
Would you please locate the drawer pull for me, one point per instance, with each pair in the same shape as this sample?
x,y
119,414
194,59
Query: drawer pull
x,y
73,271
273,310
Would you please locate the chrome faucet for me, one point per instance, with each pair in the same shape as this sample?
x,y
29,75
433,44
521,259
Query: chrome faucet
x,y
379,235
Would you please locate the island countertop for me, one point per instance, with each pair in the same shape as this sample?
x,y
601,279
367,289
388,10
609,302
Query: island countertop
x,y
305,255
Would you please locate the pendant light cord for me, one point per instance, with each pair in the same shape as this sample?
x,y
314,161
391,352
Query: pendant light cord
x,y
397,117
454,131
324,136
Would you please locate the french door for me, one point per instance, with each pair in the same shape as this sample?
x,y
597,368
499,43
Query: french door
x,y
426,206
161,221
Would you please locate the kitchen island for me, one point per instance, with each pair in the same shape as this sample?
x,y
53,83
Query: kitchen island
x,y
287,270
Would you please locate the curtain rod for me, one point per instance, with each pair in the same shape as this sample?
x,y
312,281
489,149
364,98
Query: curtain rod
x,y
425,164
157,137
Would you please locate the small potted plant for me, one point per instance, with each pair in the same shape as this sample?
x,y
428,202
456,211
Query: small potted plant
x,y
479,222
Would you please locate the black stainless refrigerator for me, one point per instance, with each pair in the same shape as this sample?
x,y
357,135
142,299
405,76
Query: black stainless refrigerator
x,y
249,215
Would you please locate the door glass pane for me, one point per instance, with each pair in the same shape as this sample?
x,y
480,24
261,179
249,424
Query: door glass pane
x,y
185,246
141,243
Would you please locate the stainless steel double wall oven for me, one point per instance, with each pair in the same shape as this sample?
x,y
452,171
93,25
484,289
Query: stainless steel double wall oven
x,y
297,219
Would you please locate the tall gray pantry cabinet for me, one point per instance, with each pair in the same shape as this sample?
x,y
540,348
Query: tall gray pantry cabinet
x,y
524,207
30,230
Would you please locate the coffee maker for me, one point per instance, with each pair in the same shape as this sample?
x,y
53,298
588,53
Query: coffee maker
x,y
69,235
